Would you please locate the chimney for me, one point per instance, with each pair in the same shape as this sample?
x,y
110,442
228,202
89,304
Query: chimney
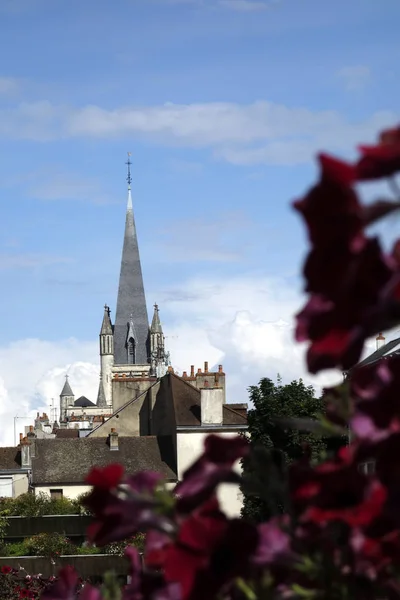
x,y
206,367
113,439
184,375
192,371
211,400
380,341
220,370
199,371
26,461
20,437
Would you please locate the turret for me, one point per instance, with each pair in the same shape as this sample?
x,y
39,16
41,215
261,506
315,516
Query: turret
x,y
106,355
159,358
67,398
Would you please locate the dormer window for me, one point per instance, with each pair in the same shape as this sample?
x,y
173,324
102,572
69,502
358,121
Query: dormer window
x,y
131,351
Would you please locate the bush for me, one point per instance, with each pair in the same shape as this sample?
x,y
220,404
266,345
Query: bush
x,y
49,544
37,505
15,549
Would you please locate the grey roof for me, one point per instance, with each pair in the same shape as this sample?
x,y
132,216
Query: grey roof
x,y
392,347
64,432
106,326
10,458
66,391
101,397
82,401
131,302
156,323
68,461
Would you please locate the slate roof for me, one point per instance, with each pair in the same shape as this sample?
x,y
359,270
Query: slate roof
x,y
10,458
63,433
68,461
67,390
131,301
101,397
389,349
82,401
187,405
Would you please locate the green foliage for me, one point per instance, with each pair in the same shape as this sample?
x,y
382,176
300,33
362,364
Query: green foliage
x,y
15,549
49,544
274,445
79,506
37,505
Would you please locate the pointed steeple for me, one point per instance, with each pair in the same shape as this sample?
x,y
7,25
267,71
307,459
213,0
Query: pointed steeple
x,y
66,391
156,323
67,398
106,326
131,312
101,397
159,358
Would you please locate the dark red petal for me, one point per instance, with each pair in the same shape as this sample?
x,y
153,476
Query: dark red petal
x,y
337,170
107,477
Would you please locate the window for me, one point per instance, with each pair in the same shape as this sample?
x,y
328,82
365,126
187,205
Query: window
x,y
56,494
131,351
6,487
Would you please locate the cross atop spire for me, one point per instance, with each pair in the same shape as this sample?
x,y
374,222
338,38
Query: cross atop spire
x,y
129,178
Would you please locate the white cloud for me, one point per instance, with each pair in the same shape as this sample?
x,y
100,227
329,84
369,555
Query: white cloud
x,y
244,5
355,78
258,133
244,323
32,373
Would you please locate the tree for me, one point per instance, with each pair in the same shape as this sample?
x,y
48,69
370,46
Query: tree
x,y
274,445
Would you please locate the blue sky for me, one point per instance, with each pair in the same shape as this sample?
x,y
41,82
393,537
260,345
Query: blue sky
x,y
223,104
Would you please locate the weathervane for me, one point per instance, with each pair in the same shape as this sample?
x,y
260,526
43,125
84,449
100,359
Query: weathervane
x,y
129,178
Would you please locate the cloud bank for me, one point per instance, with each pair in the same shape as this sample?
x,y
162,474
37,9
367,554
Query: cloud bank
x,y
258,133
245,323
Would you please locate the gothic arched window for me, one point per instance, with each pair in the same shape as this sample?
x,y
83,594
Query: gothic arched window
x,y
131,351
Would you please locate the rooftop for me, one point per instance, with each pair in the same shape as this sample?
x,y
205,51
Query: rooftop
x,y
68,461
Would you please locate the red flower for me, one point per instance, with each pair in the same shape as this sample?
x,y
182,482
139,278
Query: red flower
x,y
65,586
210,551
382,160
331,209
6,569
336,490
120,517
210,470
106,478
357,515
339,320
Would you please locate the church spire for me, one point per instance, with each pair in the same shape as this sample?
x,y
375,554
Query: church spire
x,y
131,328
156,323
66,391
